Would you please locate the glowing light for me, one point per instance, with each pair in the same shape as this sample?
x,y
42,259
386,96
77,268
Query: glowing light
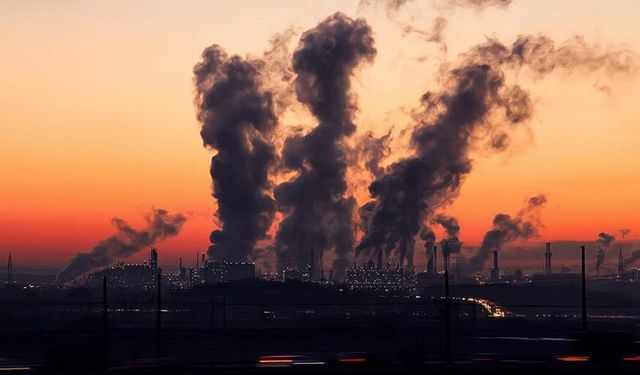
x,y
573,358
352,360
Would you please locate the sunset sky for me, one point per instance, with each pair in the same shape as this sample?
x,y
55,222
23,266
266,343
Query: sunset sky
x,y
98,120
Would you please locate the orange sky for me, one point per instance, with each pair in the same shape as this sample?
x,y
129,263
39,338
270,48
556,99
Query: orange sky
x,y
97,117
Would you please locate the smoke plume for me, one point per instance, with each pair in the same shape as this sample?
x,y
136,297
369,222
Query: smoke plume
x,y
373,150
603,242
318,215
392,6
507,229
238,121
434,35
126,242
451,244
474,106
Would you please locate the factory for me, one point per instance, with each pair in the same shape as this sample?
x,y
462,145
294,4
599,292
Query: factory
x,y
127,275
382,279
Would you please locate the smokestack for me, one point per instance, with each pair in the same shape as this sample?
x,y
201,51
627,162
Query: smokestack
x,y
10,270
547,259
435,260
620,265
495,271
153,258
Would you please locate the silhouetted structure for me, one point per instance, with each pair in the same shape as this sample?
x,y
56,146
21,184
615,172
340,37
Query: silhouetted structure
x,y
495,271
547,260
620,265
10,270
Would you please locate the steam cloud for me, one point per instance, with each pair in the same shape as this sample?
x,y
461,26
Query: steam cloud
x,y
474,105
238,121
126,242
318,215
507,229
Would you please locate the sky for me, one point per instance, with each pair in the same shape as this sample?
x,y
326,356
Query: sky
x,y
98,121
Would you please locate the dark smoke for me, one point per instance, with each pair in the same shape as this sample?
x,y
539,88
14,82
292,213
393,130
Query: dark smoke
x,y
238,121
474,105
126,242
542,56
392,6
373,150
507,229
429,239
434,35
603,242
624,232
318,216
451,244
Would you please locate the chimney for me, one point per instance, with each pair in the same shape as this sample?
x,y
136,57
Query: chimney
x,y
495,271
10,270
435,260
547,259
620,265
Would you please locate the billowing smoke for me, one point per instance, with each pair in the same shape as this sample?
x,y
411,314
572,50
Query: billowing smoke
x,y
475,105
394,5
126,242
373,150
603,242
318,215
238,121
507,229
451,244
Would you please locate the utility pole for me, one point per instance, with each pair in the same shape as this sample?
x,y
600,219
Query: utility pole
x,y
584,289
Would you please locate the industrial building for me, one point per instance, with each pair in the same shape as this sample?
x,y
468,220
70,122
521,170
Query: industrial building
x,y
370,277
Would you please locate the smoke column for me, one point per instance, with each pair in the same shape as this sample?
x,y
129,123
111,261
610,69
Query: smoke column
x,y
603,242
373,150
451,244
506,229
474,105
238,121
126,242
318,216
